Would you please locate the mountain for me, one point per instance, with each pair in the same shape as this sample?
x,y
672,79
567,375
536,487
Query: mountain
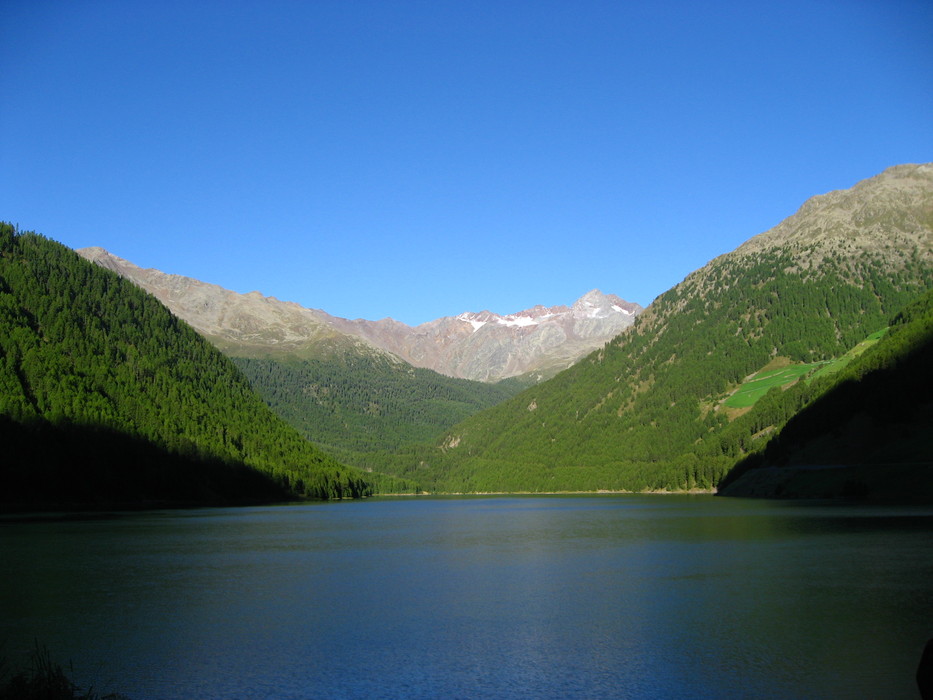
x,y
107,398
648,410
338,389
488,347
480,346
243,325
361,388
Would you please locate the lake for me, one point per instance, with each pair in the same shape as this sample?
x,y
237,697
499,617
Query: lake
x,y
505,597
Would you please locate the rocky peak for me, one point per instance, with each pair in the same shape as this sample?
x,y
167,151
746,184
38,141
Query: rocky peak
x,y
873,213
595,304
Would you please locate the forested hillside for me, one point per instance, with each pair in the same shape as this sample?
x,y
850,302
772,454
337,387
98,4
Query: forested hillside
x,y
106,396
646,412
865,432
367,402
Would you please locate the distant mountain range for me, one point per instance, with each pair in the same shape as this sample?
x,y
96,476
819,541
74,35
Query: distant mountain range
x,y
484,346
487,347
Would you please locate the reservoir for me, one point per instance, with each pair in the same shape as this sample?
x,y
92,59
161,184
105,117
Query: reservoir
x,y
609,596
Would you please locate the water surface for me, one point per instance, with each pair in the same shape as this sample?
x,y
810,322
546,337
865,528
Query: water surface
x,y
527,597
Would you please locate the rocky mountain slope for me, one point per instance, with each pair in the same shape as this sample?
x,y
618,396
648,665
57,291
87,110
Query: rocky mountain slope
x,y
243,325
647,410
481,346
487,347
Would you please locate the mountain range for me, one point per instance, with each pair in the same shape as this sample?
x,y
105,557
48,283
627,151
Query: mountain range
x,y
807,346
482,346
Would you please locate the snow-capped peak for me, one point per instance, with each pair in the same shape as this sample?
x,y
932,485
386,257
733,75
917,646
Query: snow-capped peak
x,y
592,305
595,304
479,320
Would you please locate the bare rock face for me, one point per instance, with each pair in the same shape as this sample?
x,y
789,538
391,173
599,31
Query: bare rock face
x,y
482,346
887,217
487,347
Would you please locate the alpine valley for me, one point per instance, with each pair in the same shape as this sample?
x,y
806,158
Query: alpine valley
x,y
372,386
796,365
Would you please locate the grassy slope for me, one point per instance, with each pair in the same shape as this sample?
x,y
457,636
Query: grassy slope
x,y
782,373
759,384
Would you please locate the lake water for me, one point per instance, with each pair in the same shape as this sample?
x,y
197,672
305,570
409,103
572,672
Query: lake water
x,y
526,597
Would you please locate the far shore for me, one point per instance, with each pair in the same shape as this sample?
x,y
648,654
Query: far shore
x,y
599,492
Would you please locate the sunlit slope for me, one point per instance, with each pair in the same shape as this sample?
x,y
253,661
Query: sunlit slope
x,y
645,411
782,373
105,395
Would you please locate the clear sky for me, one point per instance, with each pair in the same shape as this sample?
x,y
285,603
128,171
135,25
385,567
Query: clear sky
x,y
419,159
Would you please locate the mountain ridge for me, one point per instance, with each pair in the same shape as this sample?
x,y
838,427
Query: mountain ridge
x,y
238,323
482,346
486,346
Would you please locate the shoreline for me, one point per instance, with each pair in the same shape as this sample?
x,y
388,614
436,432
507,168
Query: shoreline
x,y
598,492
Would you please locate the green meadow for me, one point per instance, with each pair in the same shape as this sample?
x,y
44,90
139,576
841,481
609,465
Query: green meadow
x,y
764,380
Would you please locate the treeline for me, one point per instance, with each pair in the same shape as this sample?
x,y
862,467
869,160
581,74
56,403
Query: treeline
x,y
643,412
367,403
89,361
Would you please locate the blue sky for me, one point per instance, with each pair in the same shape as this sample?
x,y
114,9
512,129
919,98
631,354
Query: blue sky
x,y
419,159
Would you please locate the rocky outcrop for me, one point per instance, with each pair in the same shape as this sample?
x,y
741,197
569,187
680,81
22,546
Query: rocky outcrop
x,y
890,213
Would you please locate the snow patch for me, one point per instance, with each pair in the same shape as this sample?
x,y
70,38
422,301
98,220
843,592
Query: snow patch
x,y
588,311
472,320
520,321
